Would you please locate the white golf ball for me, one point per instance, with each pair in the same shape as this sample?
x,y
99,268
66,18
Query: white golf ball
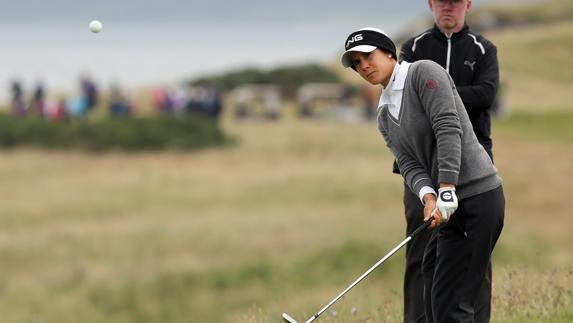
x,y
95,26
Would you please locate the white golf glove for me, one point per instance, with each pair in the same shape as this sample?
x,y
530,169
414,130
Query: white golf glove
x,y
447,202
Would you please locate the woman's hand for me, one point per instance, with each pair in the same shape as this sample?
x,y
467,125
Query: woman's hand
x,y
430,211
447,202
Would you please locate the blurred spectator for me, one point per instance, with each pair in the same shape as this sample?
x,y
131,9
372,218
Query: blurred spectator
x,y
38,101
161,100
55,110
205,101
89,92
61,110
179,98
119,105
195,102
18,107
77,107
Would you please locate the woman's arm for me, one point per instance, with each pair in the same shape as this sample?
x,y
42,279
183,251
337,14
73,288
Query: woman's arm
x,y
411,170
437,94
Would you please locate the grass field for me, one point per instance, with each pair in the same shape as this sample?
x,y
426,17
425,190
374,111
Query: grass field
x,y
536,66
281,222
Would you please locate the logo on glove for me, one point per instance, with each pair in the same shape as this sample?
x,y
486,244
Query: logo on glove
x,y
447,202
447,196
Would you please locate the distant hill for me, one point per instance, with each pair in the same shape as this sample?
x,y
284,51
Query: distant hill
x,y
535,47
536,65
503,15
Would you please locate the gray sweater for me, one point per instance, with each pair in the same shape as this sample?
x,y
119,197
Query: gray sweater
x,y
432,137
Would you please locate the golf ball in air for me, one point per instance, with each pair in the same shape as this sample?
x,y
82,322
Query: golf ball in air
x,y
95,26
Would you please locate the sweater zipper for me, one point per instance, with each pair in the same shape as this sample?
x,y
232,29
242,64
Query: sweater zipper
x,y
449,53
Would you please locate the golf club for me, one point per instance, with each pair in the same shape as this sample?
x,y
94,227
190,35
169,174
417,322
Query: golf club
x,y
288,319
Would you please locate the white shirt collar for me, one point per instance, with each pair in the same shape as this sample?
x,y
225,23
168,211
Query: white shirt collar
x,y
396,83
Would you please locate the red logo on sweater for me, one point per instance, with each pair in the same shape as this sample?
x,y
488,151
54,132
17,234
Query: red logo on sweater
x,y
431,85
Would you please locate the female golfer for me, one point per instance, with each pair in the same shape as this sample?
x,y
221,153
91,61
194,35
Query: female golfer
x,y
425,125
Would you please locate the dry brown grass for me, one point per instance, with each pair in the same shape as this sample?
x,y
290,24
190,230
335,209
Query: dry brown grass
x,y
536,67
528,292
289,190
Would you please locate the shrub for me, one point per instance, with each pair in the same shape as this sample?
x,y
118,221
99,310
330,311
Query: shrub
x,y
129,134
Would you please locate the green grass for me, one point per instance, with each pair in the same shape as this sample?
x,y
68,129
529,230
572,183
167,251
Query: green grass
x,y
198,296
237,288
555,126
546,57
281,222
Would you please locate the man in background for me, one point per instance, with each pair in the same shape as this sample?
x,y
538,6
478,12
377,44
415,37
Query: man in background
x,y
471,61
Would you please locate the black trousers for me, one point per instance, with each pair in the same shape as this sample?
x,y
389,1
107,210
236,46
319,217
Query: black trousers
x,y
457,257
414,309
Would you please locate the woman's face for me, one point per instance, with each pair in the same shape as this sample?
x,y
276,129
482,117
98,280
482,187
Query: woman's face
x,y
375,67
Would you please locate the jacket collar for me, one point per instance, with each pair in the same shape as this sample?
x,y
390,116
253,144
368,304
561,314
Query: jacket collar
x,y
441,36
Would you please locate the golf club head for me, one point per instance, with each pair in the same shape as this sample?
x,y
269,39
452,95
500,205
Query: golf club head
x,y
288,319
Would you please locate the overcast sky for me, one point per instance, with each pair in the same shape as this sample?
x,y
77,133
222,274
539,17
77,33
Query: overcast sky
x,y
130,11
146,42
160,10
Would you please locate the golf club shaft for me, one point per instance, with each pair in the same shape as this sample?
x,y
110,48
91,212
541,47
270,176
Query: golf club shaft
x,y
393,251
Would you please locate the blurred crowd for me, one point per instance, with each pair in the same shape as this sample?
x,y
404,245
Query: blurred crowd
x,y
311,100
174,100
38,104
206,101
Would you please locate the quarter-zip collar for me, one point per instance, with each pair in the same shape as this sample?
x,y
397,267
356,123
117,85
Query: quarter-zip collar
x,y
454,37
449,39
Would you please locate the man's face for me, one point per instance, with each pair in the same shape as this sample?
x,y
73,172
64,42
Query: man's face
x,y
450,15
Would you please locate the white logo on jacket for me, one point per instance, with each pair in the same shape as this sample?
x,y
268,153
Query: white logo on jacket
x,y
470,64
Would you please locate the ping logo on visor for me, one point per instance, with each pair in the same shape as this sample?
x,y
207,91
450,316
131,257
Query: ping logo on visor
x,y
372,38
353,39
366,40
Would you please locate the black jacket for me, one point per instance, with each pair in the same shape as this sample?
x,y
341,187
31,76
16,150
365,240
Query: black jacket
x,y
472,65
